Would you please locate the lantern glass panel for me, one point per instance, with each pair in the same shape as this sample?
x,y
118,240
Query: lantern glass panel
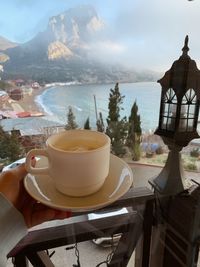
x,y
183,125
189,96
183,113
171,124
169,110
164,123
191,110
170,96
190,127
165,110
187,114
173,110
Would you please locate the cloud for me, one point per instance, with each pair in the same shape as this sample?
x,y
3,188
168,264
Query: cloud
x,y
107,51
110,47
154,31
148,34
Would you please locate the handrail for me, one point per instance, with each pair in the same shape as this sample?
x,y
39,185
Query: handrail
x,y
42,239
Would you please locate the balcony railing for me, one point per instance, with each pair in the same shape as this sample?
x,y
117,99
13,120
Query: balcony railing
x,y
133,225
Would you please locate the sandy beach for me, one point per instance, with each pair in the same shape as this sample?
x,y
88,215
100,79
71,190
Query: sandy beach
x,y
26,105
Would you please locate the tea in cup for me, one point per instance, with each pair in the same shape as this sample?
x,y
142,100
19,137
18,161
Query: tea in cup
x,y
78,161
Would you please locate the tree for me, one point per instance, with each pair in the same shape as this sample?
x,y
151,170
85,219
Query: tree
x,y
116,128
71,123
87,124
15,148
5,85
134,132
10,146
4,141
100,123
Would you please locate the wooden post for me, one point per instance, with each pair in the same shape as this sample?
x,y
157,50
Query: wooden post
x,y
95,103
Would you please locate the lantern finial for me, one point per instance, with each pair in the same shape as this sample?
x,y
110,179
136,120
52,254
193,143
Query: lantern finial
x,y
185,49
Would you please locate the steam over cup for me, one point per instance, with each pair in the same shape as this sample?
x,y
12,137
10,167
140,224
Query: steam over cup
x,y
78,161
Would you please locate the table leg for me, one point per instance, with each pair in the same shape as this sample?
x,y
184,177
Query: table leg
x,y
148,223
20,261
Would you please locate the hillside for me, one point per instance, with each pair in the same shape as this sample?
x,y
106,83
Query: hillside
x,y
5,44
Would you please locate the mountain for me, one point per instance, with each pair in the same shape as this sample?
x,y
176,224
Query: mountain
x,y
62,52
5,44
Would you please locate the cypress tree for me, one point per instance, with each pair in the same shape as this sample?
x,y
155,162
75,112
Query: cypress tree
x,y
87,124
116,127
4,143
71,120
15,148
10,146
134,132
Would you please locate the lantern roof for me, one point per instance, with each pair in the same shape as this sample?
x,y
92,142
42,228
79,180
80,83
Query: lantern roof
x,y
183,74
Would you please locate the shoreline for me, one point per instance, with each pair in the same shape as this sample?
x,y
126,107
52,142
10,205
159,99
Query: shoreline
x,y
28,102
25,107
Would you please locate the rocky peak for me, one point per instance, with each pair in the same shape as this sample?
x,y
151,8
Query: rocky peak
x,y
95,25
75,26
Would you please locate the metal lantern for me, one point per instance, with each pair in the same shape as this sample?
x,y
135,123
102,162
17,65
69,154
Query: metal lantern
x,y
179,110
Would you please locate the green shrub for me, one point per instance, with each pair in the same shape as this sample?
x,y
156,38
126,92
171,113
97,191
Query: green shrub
x,y
159,150
149,154
194,153
190,166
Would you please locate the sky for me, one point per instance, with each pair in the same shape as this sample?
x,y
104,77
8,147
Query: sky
x,y
145,34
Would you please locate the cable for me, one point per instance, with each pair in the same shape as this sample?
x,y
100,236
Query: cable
x,y
109,256
76,254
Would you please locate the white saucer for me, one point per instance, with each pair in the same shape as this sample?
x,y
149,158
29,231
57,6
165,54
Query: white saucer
x,y
118,182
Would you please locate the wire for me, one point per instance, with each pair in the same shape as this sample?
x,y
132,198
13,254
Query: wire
x,y
76,254
50,254
109,256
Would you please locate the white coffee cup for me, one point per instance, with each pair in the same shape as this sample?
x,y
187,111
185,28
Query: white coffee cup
x,y
78,161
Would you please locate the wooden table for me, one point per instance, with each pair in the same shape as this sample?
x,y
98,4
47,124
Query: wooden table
x,y
133,225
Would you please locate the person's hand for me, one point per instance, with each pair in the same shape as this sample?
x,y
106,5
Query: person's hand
x,y
12,187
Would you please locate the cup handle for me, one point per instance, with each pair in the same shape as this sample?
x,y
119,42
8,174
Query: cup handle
x,y
34,153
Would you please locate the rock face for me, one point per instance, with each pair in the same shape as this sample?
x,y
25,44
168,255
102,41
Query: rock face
x,y
58,50
62,52
70,32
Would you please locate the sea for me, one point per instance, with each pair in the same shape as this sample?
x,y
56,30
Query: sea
x,y
87,101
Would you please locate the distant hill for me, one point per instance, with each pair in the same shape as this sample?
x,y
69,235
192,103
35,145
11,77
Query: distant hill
x,y
62,53
5,44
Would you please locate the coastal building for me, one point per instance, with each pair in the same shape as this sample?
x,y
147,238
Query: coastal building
x,y
3,94
35,85
32,141
16,94
19,82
